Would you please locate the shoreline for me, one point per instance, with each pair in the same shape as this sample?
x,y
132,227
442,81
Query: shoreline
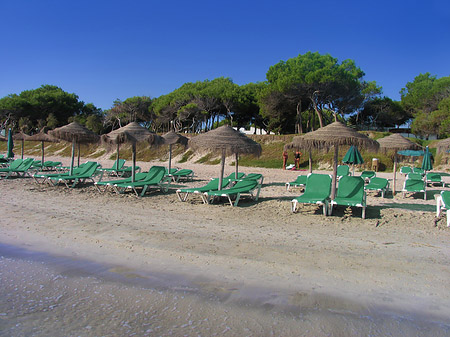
x,y
397,258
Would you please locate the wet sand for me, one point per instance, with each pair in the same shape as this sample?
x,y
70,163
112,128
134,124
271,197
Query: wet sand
x,y
387,273
45,295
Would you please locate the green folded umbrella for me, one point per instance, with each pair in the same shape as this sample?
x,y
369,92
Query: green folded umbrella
x,y
10,146
426,163
353,156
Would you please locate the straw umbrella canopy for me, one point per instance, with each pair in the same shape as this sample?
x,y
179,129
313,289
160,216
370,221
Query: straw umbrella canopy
x,y
22,137
443,146
172,138
75,133
334,135
225,141
132,133
396,142
42,137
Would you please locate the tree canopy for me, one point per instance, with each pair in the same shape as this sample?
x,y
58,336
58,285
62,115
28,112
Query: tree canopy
x,y
200,105
427,100
313,85
48,105
380,113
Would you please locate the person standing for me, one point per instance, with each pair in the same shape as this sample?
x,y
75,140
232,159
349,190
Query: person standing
x,y
285,158
297,159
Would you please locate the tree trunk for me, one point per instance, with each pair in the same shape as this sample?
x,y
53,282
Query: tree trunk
x,y
318,112
299,117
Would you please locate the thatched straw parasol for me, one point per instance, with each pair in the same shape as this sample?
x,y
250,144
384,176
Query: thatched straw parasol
x,y
22,137
172,138
226,141
132,133
334,134
75,133
42,137
396,142
443,146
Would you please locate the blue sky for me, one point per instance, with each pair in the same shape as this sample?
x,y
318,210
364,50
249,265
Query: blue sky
x,y
104,50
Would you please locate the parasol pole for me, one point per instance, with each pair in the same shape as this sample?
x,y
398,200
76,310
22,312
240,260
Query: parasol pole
x,y
310,161
222,168
395,173
79,153
133,173
334,178
170,157
117,158
22,147
237,166
72,157
42,150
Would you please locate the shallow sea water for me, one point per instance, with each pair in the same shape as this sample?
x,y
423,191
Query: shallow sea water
x,y
43,295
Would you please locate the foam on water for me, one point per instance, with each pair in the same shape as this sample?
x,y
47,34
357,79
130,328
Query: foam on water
x,y
42,295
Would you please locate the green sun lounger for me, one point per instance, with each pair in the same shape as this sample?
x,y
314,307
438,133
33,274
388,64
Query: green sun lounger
x,y
127,171
156,177
186,174
254,176
232,176
88,172
212,185
405,170
114,169
299,182
418,170
413,184
434,179
367,175
107,183
20,170
317,191
378,184
12,166
414,176
443,203
242,176
350,192
342,171
47,165
41,178
235,192
172,170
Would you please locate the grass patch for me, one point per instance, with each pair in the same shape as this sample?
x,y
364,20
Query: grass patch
x,y
188,154
205,159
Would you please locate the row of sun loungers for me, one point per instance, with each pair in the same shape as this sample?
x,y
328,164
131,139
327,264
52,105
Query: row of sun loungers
x,y
232,188
351,190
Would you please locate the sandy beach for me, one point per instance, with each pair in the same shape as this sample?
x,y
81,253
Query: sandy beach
x,y
394,262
